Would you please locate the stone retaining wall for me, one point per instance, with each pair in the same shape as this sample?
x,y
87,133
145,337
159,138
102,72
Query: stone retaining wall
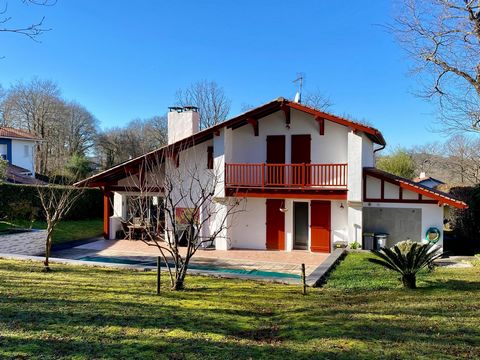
x,y
25,243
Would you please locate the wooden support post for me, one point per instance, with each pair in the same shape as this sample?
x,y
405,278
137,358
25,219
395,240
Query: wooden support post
x,y
304,284
106,213
158,275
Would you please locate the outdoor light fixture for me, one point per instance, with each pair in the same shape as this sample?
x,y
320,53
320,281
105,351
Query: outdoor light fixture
x,y
341,206
283,209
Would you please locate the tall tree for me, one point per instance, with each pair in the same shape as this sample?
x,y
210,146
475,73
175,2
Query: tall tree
x,y
35,106
443,38
136,138
210,99
67,128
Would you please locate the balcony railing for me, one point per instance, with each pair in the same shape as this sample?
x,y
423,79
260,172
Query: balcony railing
x,y
292,176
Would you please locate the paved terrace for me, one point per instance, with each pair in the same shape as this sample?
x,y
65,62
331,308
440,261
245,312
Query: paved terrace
x,y
262,260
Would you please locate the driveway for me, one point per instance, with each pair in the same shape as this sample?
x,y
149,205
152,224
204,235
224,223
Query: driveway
x,y
23,243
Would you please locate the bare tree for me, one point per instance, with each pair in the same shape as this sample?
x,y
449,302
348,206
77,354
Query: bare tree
x,y
80,129
56,202
190,215
443,38
32,30
210,99
67,128
317,100
463,159
136,138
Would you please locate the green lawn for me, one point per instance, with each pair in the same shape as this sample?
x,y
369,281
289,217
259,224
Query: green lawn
x,y
92,313
66,230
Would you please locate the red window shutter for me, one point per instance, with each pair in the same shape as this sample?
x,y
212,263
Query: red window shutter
x,y
210,157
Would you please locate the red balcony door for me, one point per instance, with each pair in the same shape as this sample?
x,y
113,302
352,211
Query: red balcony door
x,y
275,155
320,226
301,154
275,225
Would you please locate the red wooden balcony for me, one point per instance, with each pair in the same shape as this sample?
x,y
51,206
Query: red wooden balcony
x,y
288,176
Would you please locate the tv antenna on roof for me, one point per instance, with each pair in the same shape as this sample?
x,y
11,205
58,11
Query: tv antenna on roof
x,y
300,78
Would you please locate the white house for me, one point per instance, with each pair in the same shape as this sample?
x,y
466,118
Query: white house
x,y
308,179
18,148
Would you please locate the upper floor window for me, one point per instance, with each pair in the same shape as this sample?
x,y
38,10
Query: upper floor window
x,y
210,157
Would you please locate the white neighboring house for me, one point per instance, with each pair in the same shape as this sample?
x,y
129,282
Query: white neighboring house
x,y
18,148
308,177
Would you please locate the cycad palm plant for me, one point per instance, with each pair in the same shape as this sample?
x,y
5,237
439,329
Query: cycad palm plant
x,y
407,258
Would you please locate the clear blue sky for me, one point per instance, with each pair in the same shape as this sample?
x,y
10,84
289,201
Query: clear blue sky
x,y
126,59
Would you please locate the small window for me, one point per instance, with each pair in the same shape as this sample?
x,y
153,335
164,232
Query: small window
x,y
210,157
26,150
3,151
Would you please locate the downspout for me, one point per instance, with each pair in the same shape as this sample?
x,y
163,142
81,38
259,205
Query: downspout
x,y
380,148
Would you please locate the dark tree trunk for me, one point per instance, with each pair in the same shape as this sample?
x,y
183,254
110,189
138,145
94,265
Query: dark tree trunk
x,y
48,248
409,281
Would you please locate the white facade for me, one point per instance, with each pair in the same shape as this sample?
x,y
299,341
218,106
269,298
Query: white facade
x,y
23,154
340,143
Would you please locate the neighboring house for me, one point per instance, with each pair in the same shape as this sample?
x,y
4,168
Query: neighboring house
x,y
428,181
18,148
308,177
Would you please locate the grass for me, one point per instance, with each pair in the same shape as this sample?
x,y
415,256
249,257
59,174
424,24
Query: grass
x,y
362,313
66,231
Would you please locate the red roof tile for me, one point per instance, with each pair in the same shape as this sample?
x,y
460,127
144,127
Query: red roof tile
x,y
8,132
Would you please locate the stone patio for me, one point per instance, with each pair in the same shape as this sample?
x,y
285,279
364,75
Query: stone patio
x,y
261,260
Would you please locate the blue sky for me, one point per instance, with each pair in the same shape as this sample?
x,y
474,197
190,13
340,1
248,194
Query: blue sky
x,y
126,59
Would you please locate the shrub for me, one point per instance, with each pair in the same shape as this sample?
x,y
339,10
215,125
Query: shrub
x,y
89,205
355,245
407,258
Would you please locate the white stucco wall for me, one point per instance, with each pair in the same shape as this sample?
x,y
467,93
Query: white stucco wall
x,y
368,158
18,154
248,229
182,124
355,167
328,148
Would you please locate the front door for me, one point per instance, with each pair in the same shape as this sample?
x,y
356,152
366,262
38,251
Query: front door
x,y
275,155
275,225
320,226
300,224
301,155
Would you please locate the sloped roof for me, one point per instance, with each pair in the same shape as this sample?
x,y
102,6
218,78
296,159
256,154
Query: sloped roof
x,y
18,175
441,197
12,133
118,171
420,180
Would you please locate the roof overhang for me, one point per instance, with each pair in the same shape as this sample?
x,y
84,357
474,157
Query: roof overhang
x,y
441,197
131,166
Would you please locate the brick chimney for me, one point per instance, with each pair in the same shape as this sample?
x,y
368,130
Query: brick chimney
x,y
182,123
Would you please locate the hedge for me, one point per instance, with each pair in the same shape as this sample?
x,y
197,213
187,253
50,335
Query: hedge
x,y
466,225
21,201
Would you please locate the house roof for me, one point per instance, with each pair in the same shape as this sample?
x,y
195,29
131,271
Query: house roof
x,y
420,180
119,171
12,133
441,197
18,175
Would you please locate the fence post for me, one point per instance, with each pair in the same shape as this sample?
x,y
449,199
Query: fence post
x,y
158,275
304,284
